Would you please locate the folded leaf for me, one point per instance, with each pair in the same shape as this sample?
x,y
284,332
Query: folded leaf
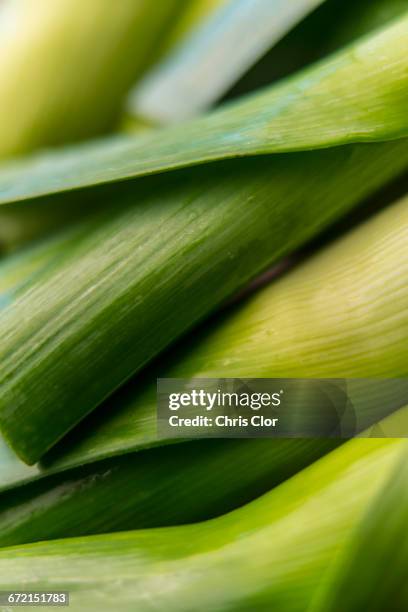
x,y
270,554
137,279
174,485
349,292
283,331
324,106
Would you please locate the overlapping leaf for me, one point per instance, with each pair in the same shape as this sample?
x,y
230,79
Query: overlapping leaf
x,y
84,310
137,279
282,331
322,107
257,557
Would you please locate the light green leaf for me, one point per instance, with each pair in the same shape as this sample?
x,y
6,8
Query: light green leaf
x,y
66,65
270,554
372,572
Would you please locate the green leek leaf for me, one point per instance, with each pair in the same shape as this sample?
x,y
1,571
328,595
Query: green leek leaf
x,y
137,261
283,331
173,485
136,280
324,106
269,554
352,291
362,577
